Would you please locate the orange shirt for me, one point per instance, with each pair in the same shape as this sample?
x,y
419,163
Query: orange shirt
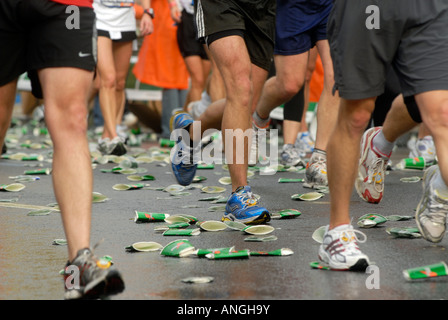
x,y
159,60
317,81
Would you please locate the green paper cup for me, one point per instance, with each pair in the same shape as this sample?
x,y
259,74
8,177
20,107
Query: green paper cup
x,y
178,248
429,271
149,216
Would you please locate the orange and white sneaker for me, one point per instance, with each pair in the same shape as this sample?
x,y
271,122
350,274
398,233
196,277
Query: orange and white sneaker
x,y
371,170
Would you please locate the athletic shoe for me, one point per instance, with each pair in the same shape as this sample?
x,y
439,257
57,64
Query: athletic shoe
x,y
290,156
183,157
424,148
242,206
115,146
316,172
432,210
371,170
4,148
339,249
88,277
304,143
258,134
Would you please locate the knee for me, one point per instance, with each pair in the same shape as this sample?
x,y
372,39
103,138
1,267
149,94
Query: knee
x,y
108,81
357,115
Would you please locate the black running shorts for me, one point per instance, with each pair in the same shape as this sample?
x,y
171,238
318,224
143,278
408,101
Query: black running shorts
x,y
41,34
368,36
254,19
187,37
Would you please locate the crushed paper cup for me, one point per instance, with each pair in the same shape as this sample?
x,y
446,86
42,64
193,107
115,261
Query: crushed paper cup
x,y
290,180
225,180
178,248
318,234
286,214
396,217
241,254
181,218
319,265
124,187
259,229
98,197
144,246
430,271
13,187
260,238
211,225
177,225
370,220
40,212
197,179
213,189
140,178
278,252
174,188
235,225
182,232
309,196
203,252
411,179
141,216
410,232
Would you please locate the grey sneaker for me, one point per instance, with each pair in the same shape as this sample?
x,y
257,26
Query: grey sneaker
x,y
88,277
339,249
290,156
258,134
424,148
116,146
316,172
432,210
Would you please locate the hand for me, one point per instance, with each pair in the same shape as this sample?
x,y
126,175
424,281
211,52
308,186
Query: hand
x,y
146,25
175,12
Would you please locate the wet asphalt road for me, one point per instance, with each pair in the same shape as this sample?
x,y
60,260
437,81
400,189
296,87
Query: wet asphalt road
x,y
29,262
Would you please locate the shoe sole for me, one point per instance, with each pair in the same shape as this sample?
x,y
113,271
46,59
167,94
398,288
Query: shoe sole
x,y
360,265
262,218
425,235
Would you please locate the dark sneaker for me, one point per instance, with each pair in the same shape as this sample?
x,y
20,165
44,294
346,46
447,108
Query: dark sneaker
x,y
88,277
183,156
242,206
4,149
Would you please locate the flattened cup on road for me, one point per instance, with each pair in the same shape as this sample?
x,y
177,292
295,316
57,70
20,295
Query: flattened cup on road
x,y
396,217
260,229
309,196
146,177
410,179
177,225
225,180
181,218
141,216
182,232
211,225
260,238
46,171
290,180
174,188
203,252
407,232
318,234
213,189
430,271
41,212
319,265
278,252
124,187
178,248
417,163
197,179
206,166
198,279
60,242
241,254
286,214
13,187
98,197
144,246
370,220
235,225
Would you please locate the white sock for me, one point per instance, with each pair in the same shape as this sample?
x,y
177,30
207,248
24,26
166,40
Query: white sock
x,y
382,146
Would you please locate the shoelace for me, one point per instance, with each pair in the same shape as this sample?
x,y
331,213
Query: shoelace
x,y
247,198
375,170
349,239
434,208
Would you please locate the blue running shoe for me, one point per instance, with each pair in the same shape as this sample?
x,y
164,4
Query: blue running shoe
x,y
242,206
182,156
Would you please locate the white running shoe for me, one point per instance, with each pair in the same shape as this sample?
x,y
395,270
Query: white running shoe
x,y
424,148
290,156
304,143
257,135
339,249
316,172
371,170
432,210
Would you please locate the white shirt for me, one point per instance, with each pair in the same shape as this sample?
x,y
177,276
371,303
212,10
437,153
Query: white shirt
x,y
114,19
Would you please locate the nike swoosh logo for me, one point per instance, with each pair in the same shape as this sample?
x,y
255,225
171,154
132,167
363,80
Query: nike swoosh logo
x,y
82,54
